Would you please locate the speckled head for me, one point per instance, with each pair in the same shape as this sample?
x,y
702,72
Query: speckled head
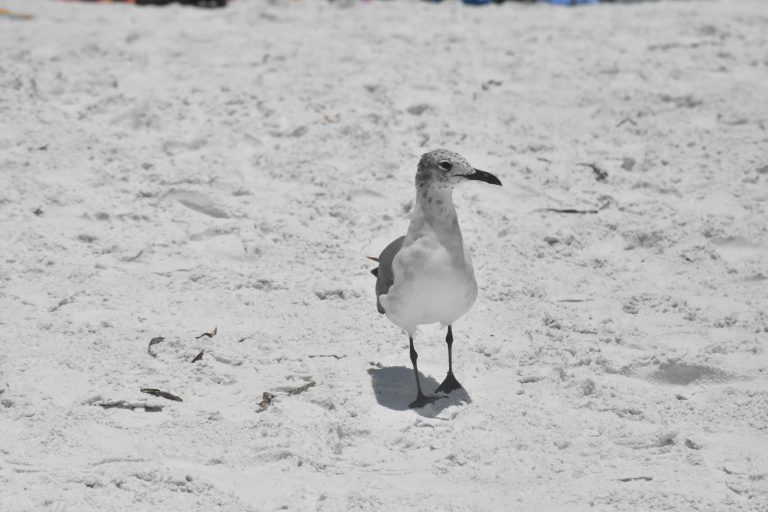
x,y
446,168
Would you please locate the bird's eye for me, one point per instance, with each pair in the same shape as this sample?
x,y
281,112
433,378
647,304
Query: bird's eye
x,y
445,165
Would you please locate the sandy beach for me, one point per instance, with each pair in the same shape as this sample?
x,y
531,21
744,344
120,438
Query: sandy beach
x,y
168,171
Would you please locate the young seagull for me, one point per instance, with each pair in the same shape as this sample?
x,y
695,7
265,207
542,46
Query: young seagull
x,y
426,276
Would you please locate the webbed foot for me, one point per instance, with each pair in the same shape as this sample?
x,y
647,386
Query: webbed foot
x,y
449,384
422,400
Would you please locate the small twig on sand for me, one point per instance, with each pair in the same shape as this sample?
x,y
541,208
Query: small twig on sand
x,y
161,394
62,302
32,81
154,341
327,355
134,258
632,478
626,120
209,334
198,356
735,489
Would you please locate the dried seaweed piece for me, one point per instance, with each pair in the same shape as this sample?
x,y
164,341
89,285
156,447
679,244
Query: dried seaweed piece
x,y
568,210
209,334
161,394
693,445
269,397
266,402
154,341
632,478
490,83
125,404
600,174
198,356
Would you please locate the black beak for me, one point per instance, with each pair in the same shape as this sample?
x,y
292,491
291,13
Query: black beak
x,y
484,176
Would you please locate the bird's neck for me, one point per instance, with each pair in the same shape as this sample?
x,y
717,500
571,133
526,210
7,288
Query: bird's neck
x,y
434,213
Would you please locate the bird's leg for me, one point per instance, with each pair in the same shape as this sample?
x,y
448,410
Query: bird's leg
x,y
421,398
450,383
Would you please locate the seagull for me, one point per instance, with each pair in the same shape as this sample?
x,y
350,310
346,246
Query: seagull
x,y
426,276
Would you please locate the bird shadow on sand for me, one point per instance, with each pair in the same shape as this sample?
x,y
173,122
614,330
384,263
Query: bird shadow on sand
x,y
395,388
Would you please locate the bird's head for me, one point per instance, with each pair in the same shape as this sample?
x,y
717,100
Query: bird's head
x,y
443,167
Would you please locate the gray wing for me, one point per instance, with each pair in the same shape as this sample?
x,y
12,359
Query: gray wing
x,y
385,276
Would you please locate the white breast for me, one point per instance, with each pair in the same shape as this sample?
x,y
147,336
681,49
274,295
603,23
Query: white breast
x,y
431,285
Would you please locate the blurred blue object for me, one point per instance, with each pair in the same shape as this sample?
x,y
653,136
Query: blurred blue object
x,y
573,2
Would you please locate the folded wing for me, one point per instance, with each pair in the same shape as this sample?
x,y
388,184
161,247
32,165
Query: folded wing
x,y
385,276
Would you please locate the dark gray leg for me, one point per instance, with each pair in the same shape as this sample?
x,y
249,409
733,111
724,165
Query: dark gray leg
x,y
421,398
450,383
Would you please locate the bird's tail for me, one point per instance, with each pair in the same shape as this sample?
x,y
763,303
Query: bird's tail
x,y
374,271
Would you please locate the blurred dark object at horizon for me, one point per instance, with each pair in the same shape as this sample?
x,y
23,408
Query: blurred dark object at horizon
x,y
194,3
554,2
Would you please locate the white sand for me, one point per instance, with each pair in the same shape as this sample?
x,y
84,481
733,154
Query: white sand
x,y
232,168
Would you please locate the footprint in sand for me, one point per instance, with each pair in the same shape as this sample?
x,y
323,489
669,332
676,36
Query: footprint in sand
x,y
682,374
735,249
